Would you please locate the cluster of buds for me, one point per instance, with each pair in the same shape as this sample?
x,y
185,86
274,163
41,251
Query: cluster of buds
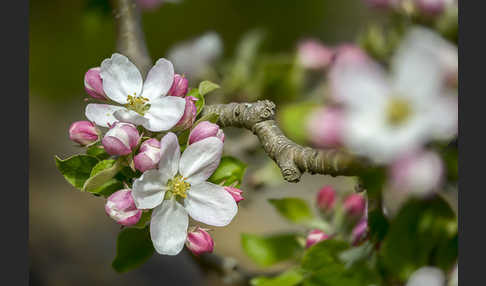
x,y
347,214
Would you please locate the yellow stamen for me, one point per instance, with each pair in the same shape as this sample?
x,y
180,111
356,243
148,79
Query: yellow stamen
x,y
137,103
178,186
398,110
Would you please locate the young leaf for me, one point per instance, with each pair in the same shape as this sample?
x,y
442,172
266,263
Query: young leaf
x,y
422,231
101,173
323,254
108,188
229,171
211,117
133,248
293,119
206,87
268,250
76,169
294,209
98,152
288,278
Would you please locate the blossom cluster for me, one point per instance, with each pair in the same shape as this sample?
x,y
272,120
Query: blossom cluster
x,y
142,123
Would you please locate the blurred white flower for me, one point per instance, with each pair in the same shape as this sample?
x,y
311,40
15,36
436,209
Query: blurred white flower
x,y
427,276
388,116
454,276
194,57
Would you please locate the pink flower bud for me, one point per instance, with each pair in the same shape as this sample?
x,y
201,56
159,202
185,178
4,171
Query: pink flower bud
x,y
354,206
360,231
324,127
83,132
121,139
418,173
199,241
326,198
314,237
120,206
179,86
431,7
189,115
314,55
204,130
148,156
93,84
235,193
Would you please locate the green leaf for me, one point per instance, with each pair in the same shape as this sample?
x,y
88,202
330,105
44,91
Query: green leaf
x,y
421,233
76,169
200,99
293,120
324,254
108,188
294,209
288,278
98,152
377,224
206,87
229,171
144,220
268,250
101,173
133,248
211,117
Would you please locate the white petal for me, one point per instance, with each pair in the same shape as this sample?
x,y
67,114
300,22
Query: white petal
x,y
359,85
102,114
200,159
159,80
164,113
210,204
148,191
417,65
168,227
130,116
169,155
120,78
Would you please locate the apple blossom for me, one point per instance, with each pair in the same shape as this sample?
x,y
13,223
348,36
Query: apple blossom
x,y
148,156
121,139
204,130
179,86
314,55
326,198
140,103
199,241
427,276
235,193
121,207
178,189
93,84
83,132
387,117
314,237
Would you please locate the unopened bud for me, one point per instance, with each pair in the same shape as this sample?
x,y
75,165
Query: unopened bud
x,y
314,55
189,115
83,132
314,237
120,206
148,156
324,127
235,193
204,130
93,84
199,241
179,86
121,139
326,198
354,206
360,231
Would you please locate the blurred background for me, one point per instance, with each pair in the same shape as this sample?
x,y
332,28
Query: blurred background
x,y
72,241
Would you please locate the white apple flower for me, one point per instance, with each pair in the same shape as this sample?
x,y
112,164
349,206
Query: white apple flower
x,y
141,103
178,189
387,116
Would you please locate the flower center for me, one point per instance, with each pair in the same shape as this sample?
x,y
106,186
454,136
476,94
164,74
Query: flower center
x,y
398,111
138,104
178,186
